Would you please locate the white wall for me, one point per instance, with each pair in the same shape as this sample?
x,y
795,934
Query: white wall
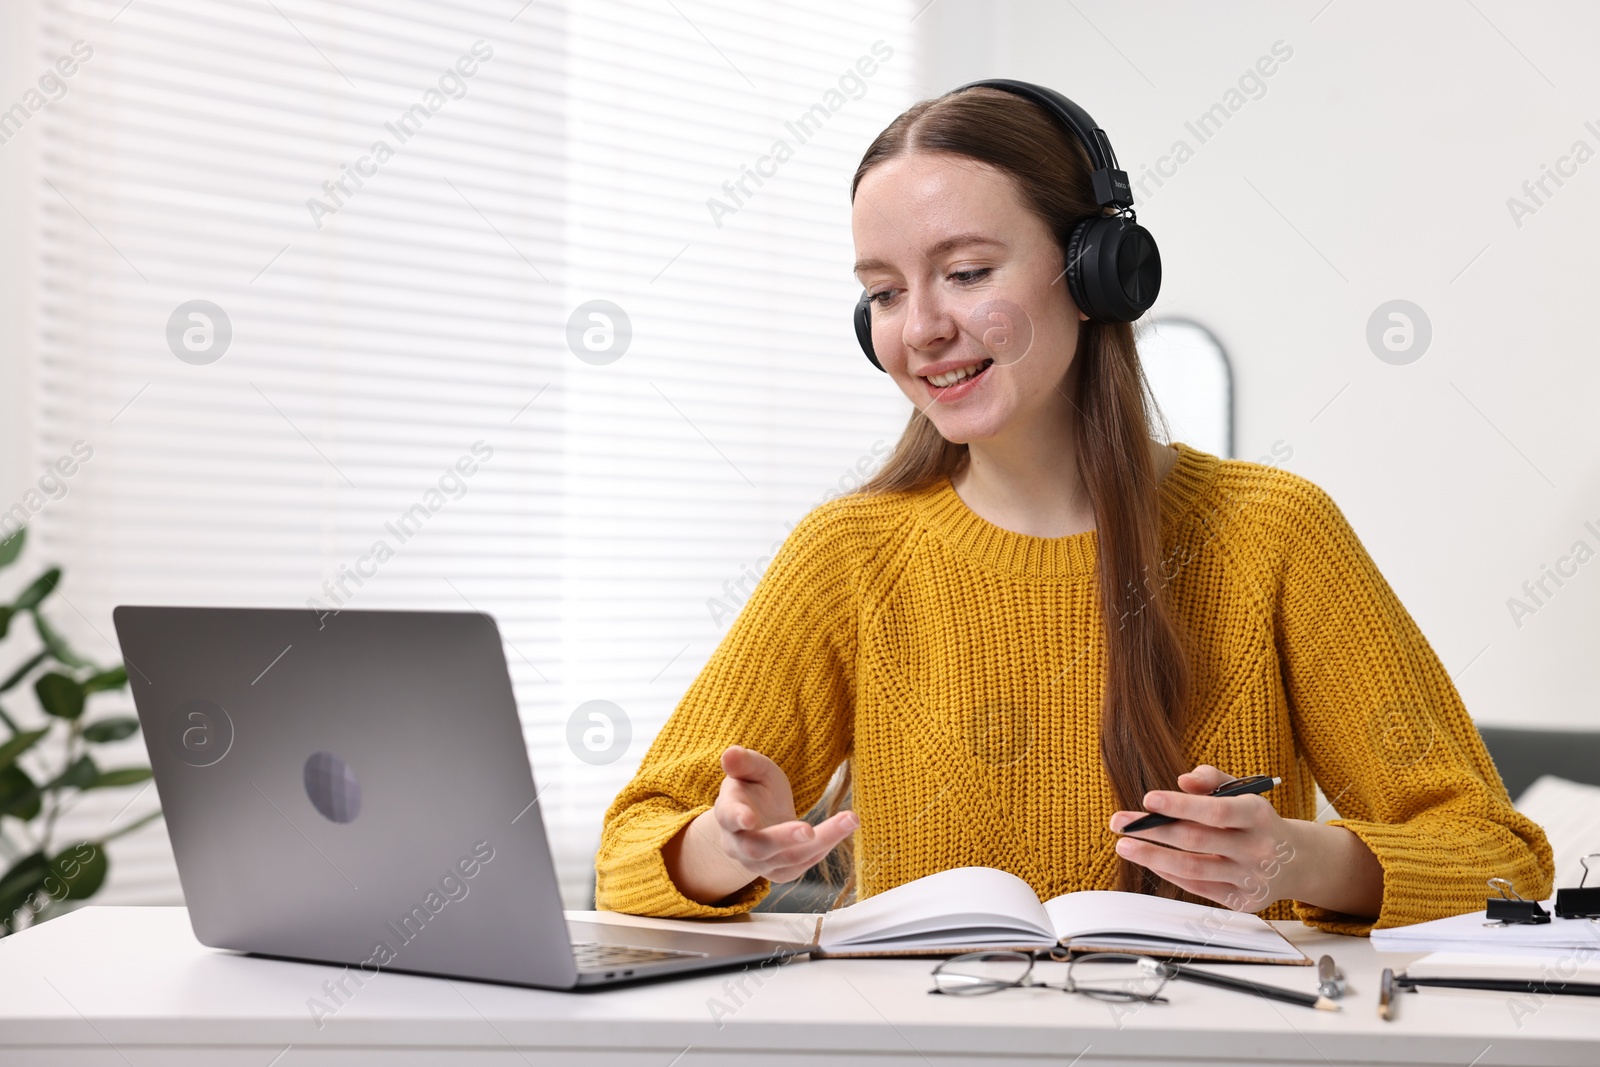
x,y
1377,165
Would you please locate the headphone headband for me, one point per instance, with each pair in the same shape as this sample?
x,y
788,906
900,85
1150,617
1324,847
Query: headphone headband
x,y
1110,183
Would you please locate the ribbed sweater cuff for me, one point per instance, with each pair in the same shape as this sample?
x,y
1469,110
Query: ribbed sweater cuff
x,y
1410,877
636,880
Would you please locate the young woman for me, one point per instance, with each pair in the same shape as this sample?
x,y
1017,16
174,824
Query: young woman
x,y
1037,621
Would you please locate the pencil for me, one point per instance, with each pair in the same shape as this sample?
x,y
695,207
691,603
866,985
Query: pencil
x,y
1244,985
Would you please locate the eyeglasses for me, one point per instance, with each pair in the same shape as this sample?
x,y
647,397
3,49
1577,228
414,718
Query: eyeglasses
x,y
1114,976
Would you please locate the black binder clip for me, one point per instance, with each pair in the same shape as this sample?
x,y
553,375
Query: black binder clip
x,y
1580,903
1509,909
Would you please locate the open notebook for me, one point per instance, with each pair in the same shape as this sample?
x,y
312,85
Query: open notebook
x,y
971,909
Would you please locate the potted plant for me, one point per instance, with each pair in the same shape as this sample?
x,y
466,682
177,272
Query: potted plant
x,y
45,769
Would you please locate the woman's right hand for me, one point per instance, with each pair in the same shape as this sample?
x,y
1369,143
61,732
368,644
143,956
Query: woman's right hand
x,y
751,832
759,830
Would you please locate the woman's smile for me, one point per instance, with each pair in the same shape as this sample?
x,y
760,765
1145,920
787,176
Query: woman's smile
x,y
946,382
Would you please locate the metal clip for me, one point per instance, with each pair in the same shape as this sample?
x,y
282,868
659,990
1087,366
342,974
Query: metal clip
x,y
1580,903
1509,909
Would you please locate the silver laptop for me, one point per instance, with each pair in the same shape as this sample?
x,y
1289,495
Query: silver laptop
x,y
355,789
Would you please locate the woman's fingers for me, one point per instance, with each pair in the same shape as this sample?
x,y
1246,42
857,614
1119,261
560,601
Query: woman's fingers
x,y
1174,865
761,845
748,765
759,799
1189,836
797,858
1203,779
757,783
793,863
811,843
836,828
783,843
1234,813
789,844
734,816
738,805
1246,850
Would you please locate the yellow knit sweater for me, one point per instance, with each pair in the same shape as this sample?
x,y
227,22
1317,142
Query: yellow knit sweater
x,y
960,668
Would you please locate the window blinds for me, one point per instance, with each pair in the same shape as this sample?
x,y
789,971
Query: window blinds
x,y
302,265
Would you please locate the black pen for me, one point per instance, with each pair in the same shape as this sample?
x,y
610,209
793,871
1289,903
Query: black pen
x,y
1502,985
1244,985
1256,783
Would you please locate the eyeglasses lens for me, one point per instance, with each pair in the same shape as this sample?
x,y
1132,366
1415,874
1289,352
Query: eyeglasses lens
x,y
1116,977
981,972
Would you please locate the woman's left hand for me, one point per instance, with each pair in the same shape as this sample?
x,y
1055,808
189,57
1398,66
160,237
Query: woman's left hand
x,y
1236,851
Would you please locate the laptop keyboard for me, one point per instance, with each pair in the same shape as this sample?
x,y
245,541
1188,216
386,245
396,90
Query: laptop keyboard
x,y
592,955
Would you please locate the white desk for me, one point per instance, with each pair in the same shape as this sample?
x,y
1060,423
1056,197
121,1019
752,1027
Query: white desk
x,y
131,986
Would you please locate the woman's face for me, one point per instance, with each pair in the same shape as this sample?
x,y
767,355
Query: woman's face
x,y
970,315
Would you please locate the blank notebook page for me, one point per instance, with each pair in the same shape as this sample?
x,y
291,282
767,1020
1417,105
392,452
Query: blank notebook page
x,y
1105,912
949,899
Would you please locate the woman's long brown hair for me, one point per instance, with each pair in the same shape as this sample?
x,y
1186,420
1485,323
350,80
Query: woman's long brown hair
x,y
1147,677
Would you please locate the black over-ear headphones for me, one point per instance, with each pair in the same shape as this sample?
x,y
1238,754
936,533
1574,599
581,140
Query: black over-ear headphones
x,y
1113,266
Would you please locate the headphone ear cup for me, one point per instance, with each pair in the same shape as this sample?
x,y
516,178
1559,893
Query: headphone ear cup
x,y
1113,268
1074,271
863,321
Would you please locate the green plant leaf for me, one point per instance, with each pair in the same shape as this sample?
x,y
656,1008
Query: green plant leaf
x,y
59,695
104,730
11,547
119,776
21,797
22,672
57,644
83,774
42,587
81,871
19,744
25,878
5,620
18,795
114,678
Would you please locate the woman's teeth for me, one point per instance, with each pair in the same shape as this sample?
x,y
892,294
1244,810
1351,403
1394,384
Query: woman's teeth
x,y
949,378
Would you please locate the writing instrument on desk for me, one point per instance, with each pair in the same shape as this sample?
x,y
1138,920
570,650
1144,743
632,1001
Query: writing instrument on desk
x,y
1244,985
1386,993
1256,783
1502,985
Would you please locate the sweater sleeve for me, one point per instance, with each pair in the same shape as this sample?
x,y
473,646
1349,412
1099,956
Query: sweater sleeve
x,y
781,682
1387,737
